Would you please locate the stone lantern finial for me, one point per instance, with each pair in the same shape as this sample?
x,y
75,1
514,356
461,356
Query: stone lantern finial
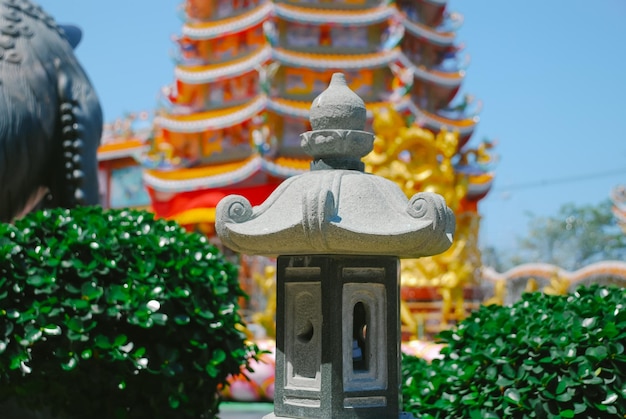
x,y
338,107
338,118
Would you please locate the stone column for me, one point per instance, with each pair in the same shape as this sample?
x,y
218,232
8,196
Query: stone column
x,y
338,233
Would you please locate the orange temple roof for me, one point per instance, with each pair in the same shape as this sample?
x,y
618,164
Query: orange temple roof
x,y
203,177
234,24
301,108
116,149
464,126
442,78
208,73
212,120
337,61
423,31
334,16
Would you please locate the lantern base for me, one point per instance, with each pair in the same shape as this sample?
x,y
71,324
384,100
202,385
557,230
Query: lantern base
x,y
403,415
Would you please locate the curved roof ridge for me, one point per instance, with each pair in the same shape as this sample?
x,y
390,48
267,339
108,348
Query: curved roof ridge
x,y
247,169
206,74
314,15
208,30
221,120
444,79
301,108
438,38
343,61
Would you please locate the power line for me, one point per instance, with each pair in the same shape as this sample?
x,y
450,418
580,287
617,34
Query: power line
x,y
557,181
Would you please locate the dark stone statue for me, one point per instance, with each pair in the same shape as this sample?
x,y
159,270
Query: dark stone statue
x,y
50,116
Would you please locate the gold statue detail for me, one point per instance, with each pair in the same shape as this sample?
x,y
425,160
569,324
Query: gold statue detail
x,y
419,160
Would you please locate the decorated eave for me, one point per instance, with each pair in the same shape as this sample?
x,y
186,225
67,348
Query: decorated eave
x,y
118,149
300,109
204,177
465,127
615,270
221,175
209,73
284,167
441,78
335,61
479,185
305,14
438,38
234,24
212,120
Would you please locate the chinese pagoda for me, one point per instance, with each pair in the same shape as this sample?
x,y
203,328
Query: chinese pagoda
x,y
246,72
209,133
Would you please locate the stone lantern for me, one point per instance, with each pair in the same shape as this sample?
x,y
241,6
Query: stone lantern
x,y
338,234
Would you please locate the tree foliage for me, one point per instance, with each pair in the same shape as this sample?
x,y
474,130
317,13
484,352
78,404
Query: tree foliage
x,y
575,237
544,357
115,314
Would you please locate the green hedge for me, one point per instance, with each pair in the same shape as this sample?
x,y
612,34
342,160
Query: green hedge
x,y
115,314
544,357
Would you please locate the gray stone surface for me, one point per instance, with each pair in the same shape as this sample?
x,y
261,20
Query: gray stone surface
x,y
337,107
351,306
338,233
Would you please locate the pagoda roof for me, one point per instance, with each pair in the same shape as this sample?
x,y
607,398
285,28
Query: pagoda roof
x,y
224,174
331,61
442,78
479,185
417,29
286,167
430,120
212,120
613,269
203,177
437,2
117,149
208,30
209,73
334,16
300,109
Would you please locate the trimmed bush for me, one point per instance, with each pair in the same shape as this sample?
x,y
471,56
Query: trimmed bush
x,y
544,357
115,314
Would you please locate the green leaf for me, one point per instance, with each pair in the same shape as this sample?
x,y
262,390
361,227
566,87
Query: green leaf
x,y
91,291
78,304
159,318
610,398
218,356
52,330
70,364
598,353
102,342
174,402
182,319
212,370
75,324
120,340
38,280
512,395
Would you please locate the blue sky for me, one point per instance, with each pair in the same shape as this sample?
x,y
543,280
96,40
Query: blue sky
x,y
551,76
